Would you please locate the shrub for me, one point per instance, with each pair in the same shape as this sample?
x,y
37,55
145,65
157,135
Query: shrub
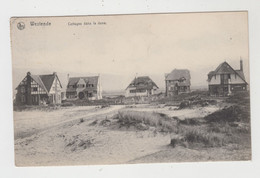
x,y
228,114
81,120
191,121
66,104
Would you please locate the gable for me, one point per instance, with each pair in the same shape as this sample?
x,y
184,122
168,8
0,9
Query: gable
x,y
93,80
47,81
142,83
52,89
23,82
225,68
38,80
179,75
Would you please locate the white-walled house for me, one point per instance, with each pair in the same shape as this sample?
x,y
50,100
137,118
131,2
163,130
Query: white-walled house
x,y
84,87
225,80
141,86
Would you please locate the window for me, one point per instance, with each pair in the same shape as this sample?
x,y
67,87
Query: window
x,y
81,85
132,91
34,89
22,89
22,98
140,91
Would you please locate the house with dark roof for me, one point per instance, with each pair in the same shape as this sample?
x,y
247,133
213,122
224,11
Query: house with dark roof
x,y
39,89
141,86
178,81
224,80
84,88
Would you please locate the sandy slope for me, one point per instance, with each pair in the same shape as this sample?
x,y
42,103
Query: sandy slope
x,y
74,135
52,145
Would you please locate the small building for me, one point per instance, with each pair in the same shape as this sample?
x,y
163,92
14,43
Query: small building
x,y
141,86
84,88
225,80
178,81
39,89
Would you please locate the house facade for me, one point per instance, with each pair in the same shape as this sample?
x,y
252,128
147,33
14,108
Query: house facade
x,y
224,80
84,88
176,82
141,86
39,89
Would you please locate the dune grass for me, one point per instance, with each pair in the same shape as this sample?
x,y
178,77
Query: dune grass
x,y
191,132
134,118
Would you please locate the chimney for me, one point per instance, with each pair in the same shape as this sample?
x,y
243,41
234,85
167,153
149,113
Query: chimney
x,y
241,64
68,78
54,73
28,89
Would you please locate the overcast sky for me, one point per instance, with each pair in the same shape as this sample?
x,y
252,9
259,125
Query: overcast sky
x,y
144,44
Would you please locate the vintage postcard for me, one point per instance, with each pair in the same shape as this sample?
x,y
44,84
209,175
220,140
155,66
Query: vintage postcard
x,y
123,89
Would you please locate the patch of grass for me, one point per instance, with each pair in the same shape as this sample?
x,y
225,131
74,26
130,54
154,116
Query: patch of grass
x,y
93,123
45,108
76,143
208,139
137,118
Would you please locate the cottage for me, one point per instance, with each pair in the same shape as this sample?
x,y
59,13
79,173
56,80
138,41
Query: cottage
x,y
84,88
141,86
225,80
178,81
39,89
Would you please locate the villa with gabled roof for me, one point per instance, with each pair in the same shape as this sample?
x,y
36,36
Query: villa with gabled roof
x,y
178,81
39,89
224,80
84,88
141,86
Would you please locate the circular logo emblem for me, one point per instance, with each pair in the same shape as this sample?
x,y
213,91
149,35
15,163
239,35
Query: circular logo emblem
x,y
20,25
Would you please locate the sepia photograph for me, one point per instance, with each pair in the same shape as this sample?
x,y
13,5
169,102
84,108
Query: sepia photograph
x,y
128,89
